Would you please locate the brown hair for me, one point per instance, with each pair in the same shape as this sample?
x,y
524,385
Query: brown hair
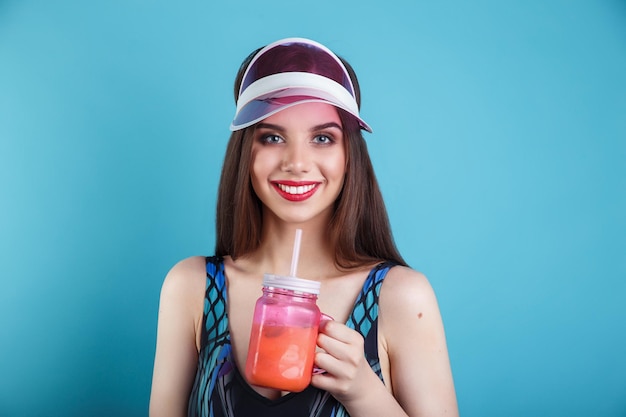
x,y
359,229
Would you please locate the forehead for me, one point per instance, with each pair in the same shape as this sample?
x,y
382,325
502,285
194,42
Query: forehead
x,y
305,115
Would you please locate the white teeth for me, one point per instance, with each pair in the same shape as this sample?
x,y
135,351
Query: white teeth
x,y
301,189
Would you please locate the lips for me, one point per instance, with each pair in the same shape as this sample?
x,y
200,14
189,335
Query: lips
x,y
295,190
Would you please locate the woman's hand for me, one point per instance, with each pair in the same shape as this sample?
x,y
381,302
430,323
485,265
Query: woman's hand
x,y
348,377
343,360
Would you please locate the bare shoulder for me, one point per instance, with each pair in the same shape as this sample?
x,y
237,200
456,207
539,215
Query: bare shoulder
x,y
185,282
408,306
404,287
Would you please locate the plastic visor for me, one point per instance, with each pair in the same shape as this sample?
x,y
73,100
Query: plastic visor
x,y
267,88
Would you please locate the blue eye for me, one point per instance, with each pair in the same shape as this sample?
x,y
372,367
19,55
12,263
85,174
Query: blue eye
x,y
323,140
270,139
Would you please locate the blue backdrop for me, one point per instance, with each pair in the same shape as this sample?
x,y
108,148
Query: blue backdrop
x,y
499,141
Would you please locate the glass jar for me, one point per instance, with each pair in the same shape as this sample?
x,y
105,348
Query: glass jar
x,y
284,334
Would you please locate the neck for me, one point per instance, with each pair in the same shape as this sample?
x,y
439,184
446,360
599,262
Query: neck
x,y
274,255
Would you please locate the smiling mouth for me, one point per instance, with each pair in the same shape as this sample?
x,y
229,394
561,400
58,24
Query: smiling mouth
x,y
295,192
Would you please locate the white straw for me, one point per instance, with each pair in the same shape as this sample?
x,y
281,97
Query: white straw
x,y
296,252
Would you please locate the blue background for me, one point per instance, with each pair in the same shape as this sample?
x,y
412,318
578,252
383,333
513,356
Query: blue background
x,y
499,141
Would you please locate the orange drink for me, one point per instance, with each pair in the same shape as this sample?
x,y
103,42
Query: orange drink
x,y
282,356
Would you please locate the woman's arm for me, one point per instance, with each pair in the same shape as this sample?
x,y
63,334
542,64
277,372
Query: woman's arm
x,y
180,315
413,333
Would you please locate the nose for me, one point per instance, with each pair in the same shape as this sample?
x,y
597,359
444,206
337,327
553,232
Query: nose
x,y
296,158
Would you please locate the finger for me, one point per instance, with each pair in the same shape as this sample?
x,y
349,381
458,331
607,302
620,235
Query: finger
x,y
339,375
331,365
341,344
337,355
339,331
323,381
330,344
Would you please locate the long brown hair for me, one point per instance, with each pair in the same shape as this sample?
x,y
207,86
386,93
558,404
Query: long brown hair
x,y
359,229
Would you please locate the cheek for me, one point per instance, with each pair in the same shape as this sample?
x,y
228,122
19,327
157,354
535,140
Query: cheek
x,y
257,163
262,164
256,170
337,166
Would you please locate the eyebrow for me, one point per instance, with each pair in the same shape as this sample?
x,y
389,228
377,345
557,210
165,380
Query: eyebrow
x,y
281,129
326,126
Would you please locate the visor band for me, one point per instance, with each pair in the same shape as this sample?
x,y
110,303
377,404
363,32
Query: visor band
x,y
298,80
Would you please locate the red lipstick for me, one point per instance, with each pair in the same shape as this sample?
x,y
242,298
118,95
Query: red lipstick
x,y
295,190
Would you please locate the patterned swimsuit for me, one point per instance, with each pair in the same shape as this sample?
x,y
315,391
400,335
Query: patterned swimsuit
x,y
219,390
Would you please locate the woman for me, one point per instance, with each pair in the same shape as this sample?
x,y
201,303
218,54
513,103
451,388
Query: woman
x,y
297,159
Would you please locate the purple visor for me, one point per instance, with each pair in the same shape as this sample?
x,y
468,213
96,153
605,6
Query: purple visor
x,y
289,72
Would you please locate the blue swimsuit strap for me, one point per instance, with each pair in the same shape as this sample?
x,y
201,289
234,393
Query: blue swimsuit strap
x,y
365,311
215,327
364,315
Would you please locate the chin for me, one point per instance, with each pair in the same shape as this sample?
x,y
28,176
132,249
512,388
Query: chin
x,y
303,218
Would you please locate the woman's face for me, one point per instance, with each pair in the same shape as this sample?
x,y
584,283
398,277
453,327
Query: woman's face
x,y
299,162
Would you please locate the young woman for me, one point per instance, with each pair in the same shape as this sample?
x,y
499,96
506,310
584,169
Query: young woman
x,y
297,160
